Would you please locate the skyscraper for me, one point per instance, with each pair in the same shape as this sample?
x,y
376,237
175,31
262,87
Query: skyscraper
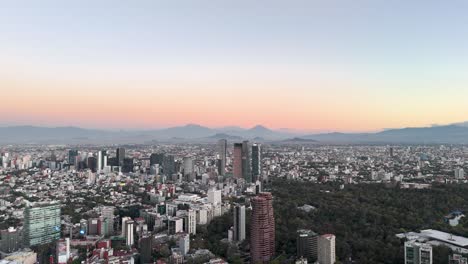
x,y
157,158
256,162
239,223
120,154
262,229
188,168
246,170
237,161
101,160
418,253
41,224
326,249
168,165
222,146
72,155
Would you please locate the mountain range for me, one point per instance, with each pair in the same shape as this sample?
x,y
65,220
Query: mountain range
x,y
452,134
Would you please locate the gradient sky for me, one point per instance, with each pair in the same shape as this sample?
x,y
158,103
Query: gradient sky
x,y
312,65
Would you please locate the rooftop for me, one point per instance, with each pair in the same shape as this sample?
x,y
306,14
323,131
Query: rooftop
x,y
446,237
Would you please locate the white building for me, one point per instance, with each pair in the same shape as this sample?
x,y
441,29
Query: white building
x,y
129,227
326,249
239,223
214,196
184,244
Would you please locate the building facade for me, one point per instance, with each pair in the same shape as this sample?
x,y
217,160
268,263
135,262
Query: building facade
x,y
41,224
262,229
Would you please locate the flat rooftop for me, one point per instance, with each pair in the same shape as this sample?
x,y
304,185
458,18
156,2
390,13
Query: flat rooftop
x,y
445,237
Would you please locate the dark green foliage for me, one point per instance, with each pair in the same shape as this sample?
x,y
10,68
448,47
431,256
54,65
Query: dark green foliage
x,y
365,217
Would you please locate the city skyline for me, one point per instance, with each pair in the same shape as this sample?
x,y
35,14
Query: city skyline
x,y
307,66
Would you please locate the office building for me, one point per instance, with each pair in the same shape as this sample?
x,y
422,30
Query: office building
x,y
222,152
120,155
157,158
459,174
307,244
108,213
256,162
188,168
262,229
10,240
41,224
72,156
101,160
129,232
326,249
124,227
418,253
237,161
169,166
175,225
184,244
246,170
239,223
214,196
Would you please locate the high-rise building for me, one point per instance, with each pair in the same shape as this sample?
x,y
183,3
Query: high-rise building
x,y
41,224
256,162
188,168
157,158
169,166
124,227
129,232
262,229
307,243
120,155
146,248
184,244
108,213
239,223
459,174
214,196
101,160
418,253
237,161
326,249
222,149
192,222
72,155
246,170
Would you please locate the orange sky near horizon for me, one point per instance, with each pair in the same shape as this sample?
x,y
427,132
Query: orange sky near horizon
x,y
303,99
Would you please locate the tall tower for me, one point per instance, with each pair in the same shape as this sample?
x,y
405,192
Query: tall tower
x,y
246,170
120,156
256,162
222,149
237,161
188,168
262,229
239,223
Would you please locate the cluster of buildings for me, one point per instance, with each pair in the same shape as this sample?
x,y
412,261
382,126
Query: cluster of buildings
x,y
132,203
125,204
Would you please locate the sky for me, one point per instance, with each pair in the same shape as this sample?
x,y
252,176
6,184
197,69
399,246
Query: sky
x,y
312,65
